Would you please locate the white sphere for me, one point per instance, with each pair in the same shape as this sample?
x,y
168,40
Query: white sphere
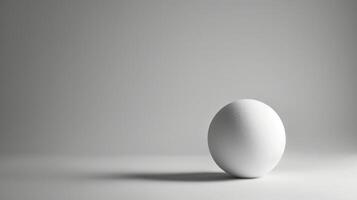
x,y
246,138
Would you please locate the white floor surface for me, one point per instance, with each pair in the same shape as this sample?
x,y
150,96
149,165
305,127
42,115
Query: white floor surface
x,y
173,177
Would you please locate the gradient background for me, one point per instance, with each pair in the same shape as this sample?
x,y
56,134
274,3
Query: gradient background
x,y
146,77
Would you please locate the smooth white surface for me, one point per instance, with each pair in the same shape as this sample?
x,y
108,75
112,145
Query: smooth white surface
x,y
124,178
246,138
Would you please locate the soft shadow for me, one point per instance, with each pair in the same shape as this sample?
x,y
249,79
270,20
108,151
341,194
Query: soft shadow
x,y
177,176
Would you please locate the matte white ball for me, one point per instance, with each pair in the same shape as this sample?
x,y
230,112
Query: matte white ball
x,y
246,138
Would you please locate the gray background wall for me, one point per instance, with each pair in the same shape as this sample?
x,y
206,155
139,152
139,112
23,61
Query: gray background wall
x,y
146,77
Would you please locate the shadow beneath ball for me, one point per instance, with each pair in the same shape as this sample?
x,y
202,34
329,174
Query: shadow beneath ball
x,y
174,176
183,176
